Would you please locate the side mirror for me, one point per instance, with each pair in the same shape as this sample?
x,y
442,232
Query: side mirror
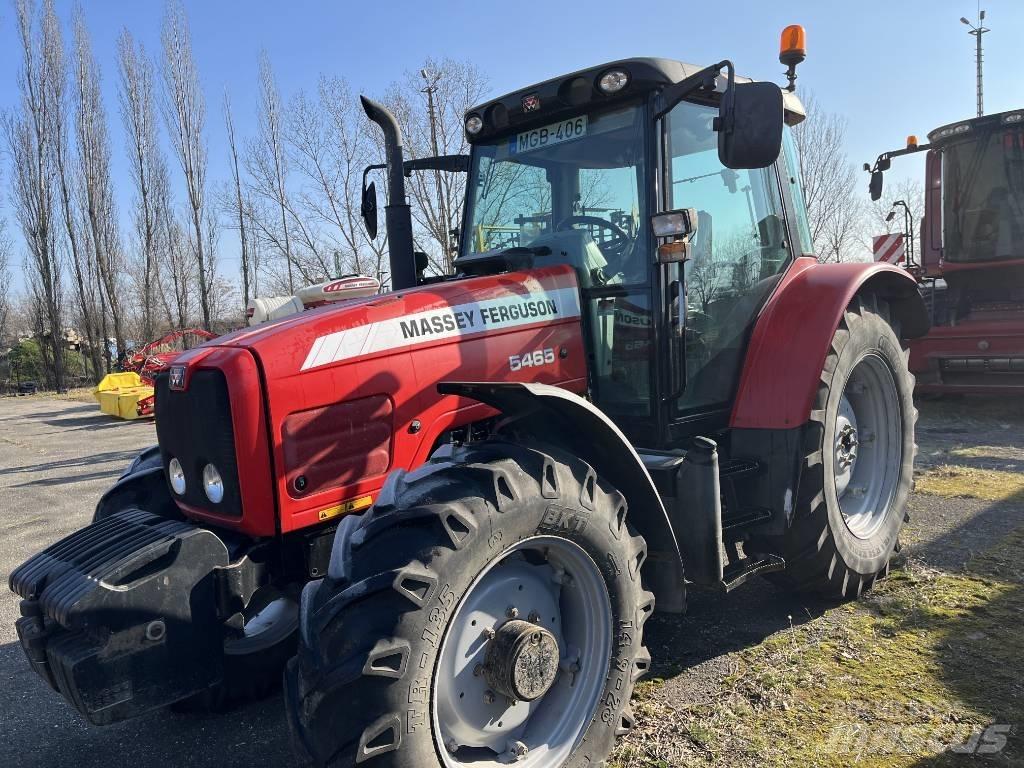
x,y
368,209
749,125
875,186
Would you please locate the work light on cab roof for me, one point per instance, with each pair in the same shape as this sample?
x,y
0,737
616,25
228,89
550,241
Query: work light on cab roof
x,y
613,81
792,51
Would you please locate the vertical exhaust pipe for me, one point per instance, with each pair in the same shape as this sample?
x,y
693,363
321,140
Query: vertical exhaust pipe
x,y
397,215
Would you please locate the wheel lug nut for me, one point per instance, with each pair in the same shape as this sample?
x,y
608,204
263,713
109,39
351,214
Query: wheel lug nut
x,y
488,697
488,634
518,750
512,612
534,617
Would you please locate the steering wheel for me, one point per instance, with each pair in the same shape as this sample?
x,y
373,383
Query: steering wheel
x,y
616,246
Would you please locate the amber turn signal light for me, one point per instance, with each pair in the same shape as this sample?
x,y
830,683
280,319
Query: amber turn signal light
x,y
793,46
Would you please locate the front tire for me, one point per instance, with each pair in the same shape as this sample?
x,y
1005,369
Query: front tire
x,y
406,656
858,465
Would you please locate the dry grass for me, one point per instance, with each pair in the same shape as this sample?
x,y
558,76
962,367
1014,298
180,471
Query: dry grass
x,y
926,661
953,481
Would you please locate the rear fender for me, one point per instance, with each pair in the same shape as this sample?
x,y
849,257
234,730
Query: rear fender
x,y
792,334
559,417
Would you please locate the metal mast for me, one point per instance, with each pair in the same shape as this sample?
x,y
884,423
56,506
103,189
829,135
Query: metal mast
x,y
978,31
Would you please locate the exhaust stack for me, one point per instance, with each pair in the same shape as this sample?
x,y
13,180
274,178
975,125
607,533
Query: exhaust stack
x,y
397,215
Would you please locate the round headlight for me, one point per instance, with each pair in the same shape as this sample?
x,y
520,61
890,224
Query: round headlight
x,y
613,81
474,125
177,476
212,484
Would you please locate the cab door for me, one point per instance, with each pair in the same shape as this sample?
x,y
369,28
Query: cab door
x,y
739,252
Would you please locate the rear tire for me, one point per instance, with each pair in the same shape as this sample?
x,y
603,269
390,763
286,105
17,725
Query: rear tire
x,y
406,601
858,463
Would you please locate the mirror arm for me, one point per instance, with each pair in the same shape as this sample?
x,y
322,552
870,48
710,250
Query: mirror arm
x,y
887,156
369,168
703,80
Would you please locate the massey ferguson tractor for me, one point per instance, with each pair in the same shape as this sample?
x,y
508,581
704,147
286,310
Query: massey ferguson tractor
x,y
972,255
452,508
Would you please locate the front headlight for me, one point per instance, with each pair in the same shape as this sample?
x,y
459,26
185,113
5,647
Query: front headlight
x,y
177,476
213,484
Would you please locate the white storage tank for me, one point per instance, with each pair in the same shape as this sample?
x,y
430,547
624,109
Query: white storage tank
x,y
272,308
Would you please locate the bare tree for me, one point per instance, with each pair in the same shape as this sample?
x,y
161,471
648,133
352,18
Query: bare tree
x,y
829,181
29,133
144,155
76,237
330,146
430,105
96,187
235,203
5,283
185,115
268,167
175,265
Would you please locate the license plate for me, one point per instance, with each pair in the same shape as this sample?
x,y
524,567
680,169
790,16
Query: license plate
x,y
548,135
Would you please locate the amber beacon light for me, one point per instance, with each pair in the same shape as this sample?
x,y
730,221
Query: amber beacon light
x,y
792,51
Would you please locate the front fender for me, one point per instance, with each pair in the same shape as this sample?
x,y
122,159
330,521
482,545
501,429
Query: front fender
x,y
793,331
565,419
142,486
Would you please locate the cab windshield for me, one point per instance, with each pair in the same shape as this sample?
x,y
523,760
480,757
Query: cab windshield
x,y
983,197
575,185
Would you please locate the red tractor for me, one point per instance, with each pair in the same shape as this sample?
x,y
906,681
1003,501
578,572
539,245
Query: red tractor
x,y
972,255
460,500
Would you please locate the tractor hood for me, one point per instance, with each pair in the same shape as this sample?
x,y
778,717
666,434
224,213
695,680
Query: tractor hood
x,y
396,322
346,392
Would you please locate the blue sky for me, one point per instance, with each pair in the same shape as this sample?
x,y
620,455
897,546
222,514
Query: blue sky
x,y
891,67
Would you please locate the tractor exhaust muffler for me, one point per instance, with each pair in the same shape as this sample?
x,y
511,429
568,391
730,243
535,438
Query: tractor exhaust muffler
x,y
397,215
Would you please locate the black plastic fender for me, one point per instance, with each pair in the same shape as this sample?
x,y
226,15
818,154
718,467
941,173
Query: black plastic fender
x,y
565,419
141,486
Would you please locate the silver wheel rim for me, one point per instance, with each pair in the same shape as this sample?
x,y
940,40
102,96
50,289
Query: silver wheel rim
x,y
867,447
550,582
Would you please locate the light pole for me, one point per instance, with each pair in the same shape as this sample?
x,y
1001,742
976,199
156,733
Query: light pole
x,y
978,31
431,79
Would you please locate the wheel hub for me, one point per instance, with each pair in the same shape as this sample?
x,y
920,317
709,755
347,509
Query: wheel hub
x,y
846,451
522,661
867,448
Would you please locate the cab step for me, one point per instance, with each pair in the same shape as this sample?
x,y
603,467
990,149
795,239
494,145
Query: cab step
x,y
738,572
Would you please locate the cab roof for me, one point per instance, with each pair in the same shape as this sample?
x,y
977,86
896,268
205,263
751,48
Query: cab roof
x,y
963,128
567,94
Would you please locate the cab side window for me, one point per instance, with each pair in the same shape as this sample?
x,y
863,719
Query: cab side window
x,y
739,251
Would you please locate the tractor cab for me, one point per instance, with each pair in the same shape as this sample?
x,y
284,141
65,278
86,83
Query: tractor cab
x,y
581,169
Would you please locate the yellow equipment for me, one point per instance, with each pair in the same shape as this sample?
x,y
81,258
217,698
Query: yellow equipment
x,y
119,393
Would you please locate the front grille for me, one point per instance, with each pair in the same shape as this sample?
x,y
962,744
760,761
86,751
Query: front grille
x,y
195,427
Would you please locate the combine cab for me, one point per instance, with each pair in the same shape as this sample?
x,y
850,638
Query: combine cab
x,y
460,501
971,264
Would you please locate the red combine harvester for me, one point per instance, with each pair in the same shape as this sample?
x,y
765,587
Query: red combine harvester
x,y
156,357
460,500
971,263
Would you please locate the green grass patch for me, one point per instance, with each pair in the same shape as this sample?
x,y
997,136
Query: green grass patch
x,y
954,481
925,662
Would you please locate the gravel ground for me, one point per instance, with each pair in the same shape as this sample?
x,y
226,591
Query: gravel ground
x,y
57,457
